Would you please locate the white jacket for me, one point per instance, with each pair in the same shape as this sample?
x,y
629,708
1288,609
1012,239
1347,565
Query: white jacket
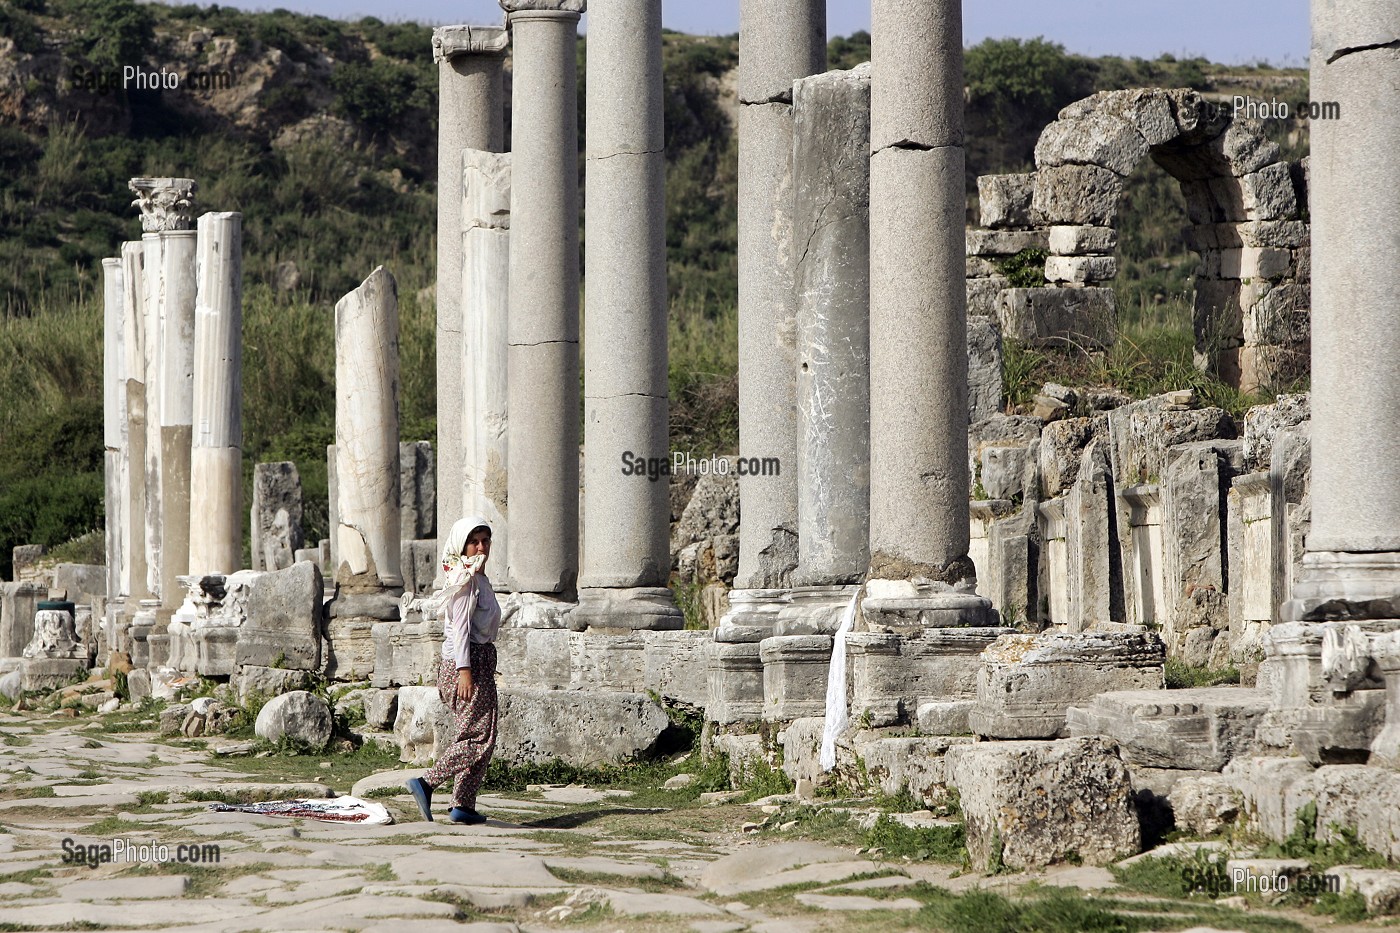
x,y
473,617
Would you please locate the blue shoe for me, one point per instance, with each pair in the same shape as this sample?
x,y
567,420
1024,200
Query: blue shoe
x,y
465,817
423,795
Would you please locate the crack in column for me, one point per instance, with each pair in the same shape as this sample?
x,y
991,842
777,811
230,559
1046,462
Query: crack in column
x,y
1352,50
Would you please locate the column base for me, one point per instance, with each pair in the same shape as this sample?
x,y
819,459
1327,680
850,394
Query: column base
x,y
1339,585
643,608
735,683
903,607
814,610
895,676
142,624
350,622
795,669
752,615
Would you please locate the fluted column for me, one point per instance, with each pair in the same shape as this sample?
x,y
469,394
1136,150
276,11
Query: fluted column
x,y
471,115
169,259
133,583
367,436
779,42
1352,566
626,523
544,297
918,318
485,419
216,461
115,426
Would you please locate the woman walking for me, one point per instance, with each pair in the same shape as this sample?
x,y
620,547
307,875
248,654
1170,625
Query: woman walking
x,y
467,675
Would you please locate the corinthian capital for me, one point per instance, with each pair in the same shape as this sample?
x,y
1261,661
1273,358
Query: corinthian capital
x,y
165,203
452,41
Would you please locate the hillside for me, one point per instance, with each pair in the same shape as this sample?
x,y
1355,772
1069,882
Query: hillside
x,y
323,134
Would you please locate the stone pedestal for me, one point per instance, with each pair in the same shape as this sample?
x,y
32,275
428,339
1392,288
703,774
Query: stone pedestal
x,y
905,607
216,460
1201,729
18,603
54,655
894,676
142,624
813,610
471,115
406,653
779,42
485,414
735,683
831,183
752,615
544,297
629,609
795,669
1385,750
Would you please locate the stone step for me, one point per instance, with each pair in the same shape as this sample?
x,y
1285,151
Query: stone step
x,y
1199,729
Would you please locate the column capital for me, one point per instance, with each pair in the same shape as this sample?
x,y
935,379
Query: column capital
x,y
450,42
512,7
166,204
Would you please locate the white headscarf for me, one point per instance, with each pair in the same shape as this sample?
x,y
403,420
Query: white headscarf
x,y
452,549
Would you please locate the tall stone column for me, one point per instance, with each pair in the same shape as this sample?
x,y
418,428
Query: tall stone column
x,y
367,435
216,461
471,115
831,170
626,523
168,247
1352,568
544,298
132,585
114,422
918,321
779,42
485,420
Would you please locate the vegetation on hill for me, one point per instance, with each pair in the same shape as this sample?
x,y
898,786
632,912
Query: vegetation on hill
x,y
325,140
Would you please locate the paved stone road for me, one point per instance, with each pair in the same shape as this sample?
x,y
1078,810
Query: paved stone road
x,y
557,858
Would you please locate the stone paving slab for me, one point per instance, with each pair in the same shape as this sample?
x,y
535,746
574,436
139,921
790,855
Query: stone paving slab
x,y
134,914
596,865
125,888
642,904
496,869
728,874
855,902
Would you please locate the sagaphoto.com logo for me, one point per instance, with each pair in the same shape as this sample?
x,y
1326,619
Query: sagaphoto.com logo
x,y
137,852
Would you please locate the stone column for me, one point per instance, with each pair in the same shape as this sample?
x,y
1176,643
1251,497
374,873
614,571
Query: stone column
x,y
544,297
132,584
367,435
114,423
779,42
831,172
485,419
169,258
918,319
216,461
1352,568
471,115
626,524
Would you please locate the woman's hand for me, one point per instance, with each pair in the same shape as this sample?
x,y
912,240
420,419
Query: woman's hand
x,y
464,687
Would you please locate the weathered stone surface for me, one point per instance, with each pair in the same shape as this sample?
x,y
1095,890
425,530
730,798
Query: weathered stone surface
x,y
1194,483
1378,887
892,674
1028,682
580,728
1080,270
298,715
1030,804
1062,449
284,623
406,653
1263,422
1204,804
268,681
422,725
1095,138
18,603
276,515
1076,195
984,368
982,294
1198,729
1004,242
1080,317
1082,241
1143,432
417,491
794,675
734,683
1005,200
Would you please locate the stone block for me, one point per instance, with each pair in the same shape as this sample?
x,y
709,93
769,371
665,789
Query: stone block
x,y
406,653
1004,242
1142,433
1005,200
944,717
283,627
1198,729
533,610
1284,234
80,583
1263,422
580,728
713,510
422,725
1082,241
417,491
276,515
814,610
268,681
1080,270
1203,805
1081,317
1282,317
794,675
1062,449
215,650
1268,194
381,708
18,603
349,648
982,295
1032,804
891,674
1028,682
672,661
1378,887
913,764
984,368
23,557
734,687
418,561
1093,138
46,674
298,715
1076,195
1002,471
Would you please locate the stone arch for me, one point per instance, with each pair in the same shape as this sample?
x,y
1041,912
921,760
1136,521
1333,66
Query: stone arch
x,y
1246,206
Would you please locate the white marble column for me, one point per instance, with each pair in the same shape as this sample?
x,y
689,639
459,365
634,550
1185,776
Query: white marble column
x,y
1352,568
114,422
169,258
367,436
918,319
626,523
779,42
471,115
544,297
133,583
485,418
216,460
831,170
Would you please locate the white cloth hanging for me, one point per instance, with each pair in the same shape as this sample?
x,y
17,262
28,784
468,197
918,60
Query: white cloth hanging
x,y
837,709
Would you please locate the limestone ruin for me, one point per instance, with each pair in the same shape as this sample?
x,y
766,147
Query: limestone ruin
x,y
1022,581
